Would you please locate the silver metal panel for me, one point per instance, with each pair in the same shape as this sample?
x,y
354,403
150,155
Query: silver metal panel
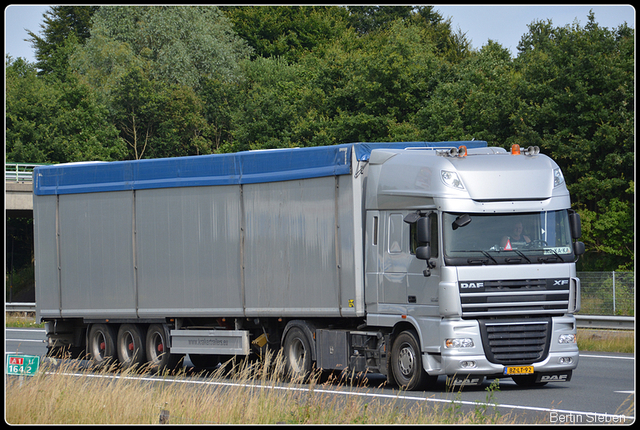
x,y
333,349
411,179
350,252
227,342
96,254
46,257
290,248
188,251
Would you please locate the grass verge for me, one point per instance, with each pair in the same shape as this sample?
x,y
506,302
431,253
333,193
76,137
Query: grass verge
x,y
251,395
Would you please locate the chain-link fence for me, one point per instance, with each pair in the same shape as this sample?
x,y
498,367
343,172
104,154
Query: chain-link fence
x,y
607,293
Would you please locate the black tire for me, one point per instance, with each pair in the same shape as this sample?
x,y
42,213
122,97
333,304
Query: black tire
x,y
157,350
130,345
102,344
406,362
297,354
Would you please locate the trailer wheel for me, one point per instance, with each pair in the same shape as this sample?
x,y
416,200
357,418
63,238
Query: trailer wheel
x,y
406,362
157,350
130,345
102,343
297,354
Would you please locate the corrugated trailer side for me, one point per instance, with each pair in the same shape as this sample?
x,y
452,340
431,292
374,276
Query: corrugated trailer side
x,y
249,234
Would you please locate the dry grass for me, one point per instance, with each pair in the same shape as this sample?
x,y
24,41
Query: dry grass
x,y
606,340
251,395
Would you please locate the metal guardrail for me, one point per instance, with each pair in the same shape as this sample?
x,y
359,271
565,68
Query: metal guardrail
x,y
606,322
19,172
584,321
20,307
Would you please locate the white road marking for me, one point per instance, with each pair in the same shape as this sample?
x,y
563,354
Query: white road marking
x,y
606,356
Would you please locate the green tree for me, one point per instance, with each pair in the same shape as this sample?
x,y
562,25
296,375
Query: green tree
x,y
61,24
374,84
578,93
367,19
174,44
286,31
53,121
476,99
158,120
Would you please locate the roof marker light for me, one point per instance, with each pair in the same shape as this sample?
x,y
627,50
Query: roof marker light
x,y
462,151
532,150
515,149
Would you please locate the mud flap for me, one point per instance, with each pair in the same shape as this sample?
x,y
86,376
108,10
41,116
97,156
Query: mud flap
x,y
554,377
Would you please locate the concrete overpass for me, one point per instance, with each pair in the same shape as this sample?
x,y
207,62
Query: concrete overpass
x,y
18,195
19,199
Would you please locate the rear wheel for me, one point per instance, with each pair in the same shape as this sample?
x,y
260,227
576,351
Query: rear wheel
x,y
406,362
102,343
157,350
131,345
297,353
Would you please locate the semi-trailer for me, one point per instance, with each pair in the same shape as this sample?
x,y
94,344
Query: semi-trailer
x,y
409,259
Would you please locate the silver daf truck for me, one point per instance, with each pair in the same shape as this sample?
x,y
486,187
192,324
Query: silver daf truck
x,y
413,260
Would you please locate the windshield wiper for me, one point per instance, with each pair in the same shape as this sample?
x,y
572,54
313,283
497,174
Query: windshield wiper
x,y
555,257
509,260
486,254
480,260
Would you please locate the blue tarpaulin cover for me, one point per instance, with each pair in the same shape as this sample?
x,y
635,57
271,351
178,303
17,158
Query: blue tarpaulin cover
x,y
248,167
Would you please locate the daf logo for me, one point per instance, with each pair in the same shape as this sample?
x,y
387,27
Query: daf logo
x,y
471,284
557,378
561,282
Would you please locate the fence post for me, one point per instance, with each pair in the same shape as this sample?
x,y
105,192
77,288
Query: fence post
x,y
614,292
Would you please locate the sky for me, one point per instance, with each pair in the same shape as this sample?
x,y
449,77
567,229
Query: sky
x,y
504,24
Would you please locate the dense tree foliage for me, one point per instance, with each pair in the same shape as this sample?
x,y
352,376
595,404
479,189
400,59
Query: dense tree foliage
x,y
122,82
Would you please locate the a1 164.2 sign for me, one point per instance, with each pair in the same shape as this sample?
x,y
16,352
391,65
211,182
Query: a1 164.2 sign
x,y
22,364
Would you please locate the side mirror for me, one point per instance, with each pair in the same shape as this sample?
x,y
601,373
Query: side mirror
x,y
461,221
423,231
423,252
575,225
578,248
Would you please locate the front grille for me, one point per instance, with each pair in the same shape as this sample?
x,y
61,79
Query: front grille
x,y
511,342
514,297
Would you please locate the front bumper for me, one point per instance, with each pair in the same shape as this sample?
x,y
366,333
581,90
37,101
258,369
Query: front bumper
x,y
472,360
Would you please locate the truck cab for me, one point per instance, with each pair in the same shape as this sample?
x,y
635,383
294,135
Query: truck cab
x,y
473,251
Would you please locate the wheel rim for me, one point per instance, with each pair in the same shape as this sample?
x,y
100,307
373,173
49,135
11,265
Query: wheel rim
x,y
406,360
128,347
100,346
297,354
157,347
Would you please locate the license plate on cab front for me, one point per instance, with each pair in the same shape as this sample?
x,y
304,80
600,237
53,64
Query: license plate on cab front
x,y
518,370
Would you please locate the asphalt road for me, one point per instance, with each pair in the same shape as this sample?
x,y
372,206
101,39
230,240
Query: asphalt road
x,y
602,389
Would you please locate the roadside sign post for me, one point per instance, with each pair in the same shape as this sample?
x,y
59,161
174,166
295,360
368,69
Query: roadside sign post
x,y
22,365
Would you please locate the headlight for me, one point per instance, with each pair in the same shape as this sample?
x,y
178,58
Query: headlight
x,y
459,343
451,179
567,338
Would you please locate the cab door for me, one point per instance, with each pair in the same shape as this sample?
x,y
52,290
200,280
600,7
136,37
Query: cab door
x,y
423,277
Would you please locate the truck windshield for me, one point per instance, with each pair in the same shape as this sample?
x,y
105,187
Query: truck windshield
x,y
525,238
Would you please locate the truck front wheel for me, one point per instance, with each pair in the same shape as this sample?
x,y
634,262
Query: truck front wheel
x,y
406,362
102,343
297,354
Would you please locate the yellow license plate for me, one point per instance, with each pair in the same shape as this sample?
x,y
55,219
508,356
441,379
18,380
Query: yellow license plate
x,y
518,370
